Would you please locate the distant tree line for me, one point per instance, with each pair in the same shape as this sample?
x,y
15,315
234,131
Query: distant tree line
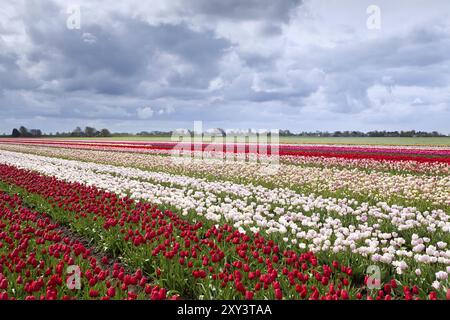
x,y
154,133
23,132
393,134
87,132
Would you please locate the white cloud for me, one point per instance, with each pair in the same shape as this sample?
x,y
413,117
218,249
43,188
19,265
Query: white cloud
x,y
167,110
89,38
145,113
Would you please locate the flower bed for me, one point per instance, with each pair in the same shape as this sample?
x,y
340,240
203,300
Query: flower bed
x,y
195,259
38,260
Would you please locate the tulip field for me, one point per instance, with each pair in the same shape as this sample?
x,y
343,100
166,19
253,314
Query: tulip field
x,y
104,219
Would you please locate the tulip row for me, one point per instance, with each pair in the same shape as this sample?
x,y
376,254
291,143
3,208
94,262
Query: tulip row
x,y
196,259
370,165
382,234
180,139
374,149
347,152
39,260
422,191
433,168
210,261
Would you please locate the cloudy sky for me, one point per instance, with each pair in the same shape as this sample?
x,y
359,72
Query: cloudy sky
x,y
161,64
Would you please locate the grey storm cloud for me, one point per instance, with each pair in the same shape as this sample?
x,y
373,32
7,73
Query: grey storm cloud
x,y
302,65
116,58
10,74
244,10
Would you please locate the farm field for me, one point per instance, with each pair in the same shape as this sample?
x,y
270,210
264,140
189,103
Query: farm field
x,y
141,223
417,141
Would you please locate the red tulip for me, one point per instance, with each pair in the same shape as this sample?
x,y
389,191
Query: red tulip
x,y
249,295
111,292
344,295
393,283
278,294
415,290
3,284
93,293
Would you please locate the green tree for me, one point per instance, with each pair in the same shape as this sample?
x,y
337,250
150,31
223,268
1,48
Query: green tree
x,y
89,131
15,133
24,132
77,132
105,133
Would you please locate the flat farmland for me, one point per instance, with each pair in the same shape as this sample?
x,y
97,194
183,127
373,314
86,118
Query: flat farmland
x,y
312,221
406,141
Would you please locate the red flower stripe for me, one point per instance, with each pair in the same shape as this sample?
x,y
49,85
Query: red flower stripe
x,y
36,256
193,258
376,153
